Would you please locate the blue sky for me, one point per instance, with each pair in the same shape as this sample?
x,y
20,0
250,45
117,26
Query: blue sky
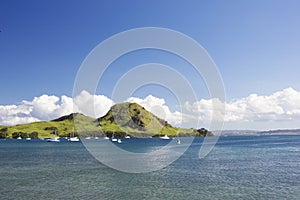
x,y
255,44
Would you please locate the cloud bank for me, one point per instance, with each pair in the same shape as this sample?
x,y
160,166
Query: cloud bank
x,y
281,106
47,107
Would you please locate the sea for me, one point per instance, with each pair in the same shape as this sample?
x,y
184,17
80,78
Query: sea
x,y
238,167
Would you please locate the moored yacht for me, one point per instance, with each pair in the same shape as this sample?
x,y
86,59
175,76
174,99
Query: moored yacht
x,y
72,138
165,137
55,139
113,139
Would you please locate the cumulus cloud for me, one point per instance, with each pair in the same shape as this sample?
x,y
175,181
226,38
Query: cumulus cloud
x,y
48,107
92,105
280,106
13,114
158,107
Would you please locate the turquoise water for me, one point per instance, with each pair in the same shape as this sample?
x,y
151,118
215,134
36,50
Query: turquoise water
x,y
248,167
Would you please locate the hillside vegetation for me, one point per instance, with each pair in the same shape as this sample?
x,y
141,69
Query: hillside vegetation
x,y
121,120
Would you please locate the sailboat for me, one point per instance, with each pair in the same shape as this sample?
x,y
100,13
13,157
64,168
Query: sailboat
x,y
96,137
72,138
106,138
55,139
28,138
165,137
113,139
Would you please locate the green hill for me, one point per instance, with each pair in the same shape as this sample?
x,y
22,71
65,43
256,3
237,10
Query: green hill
x,y
121,120
63,126
134,120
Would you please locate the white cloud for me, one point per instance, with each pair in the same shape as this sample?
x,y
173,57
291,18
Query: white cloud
x,y
158,107
13,114
46,107
92,105
282,107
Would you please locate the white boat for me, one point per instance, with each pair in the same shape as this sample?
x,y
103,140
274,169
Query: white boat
x,y
28,139
88,138
55,139
106,138
119,141
165,137
72,138
95,137
127,136
178,141
113,139
19,138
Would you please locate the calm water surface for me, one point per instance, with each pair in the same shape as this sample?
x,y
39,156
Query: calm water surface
x,y
248,167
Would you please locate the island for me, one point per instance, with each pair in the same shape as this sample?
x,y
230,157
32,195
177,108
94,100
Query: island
x,y
124,119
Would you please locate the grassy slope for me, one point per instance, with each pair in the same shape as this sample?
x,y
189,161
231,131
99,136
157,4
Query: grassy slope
x,y
129,118
134,119
63,127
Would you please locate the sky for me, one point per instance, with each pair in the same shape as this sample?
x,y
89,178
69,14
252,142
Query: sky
x,y
254,44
